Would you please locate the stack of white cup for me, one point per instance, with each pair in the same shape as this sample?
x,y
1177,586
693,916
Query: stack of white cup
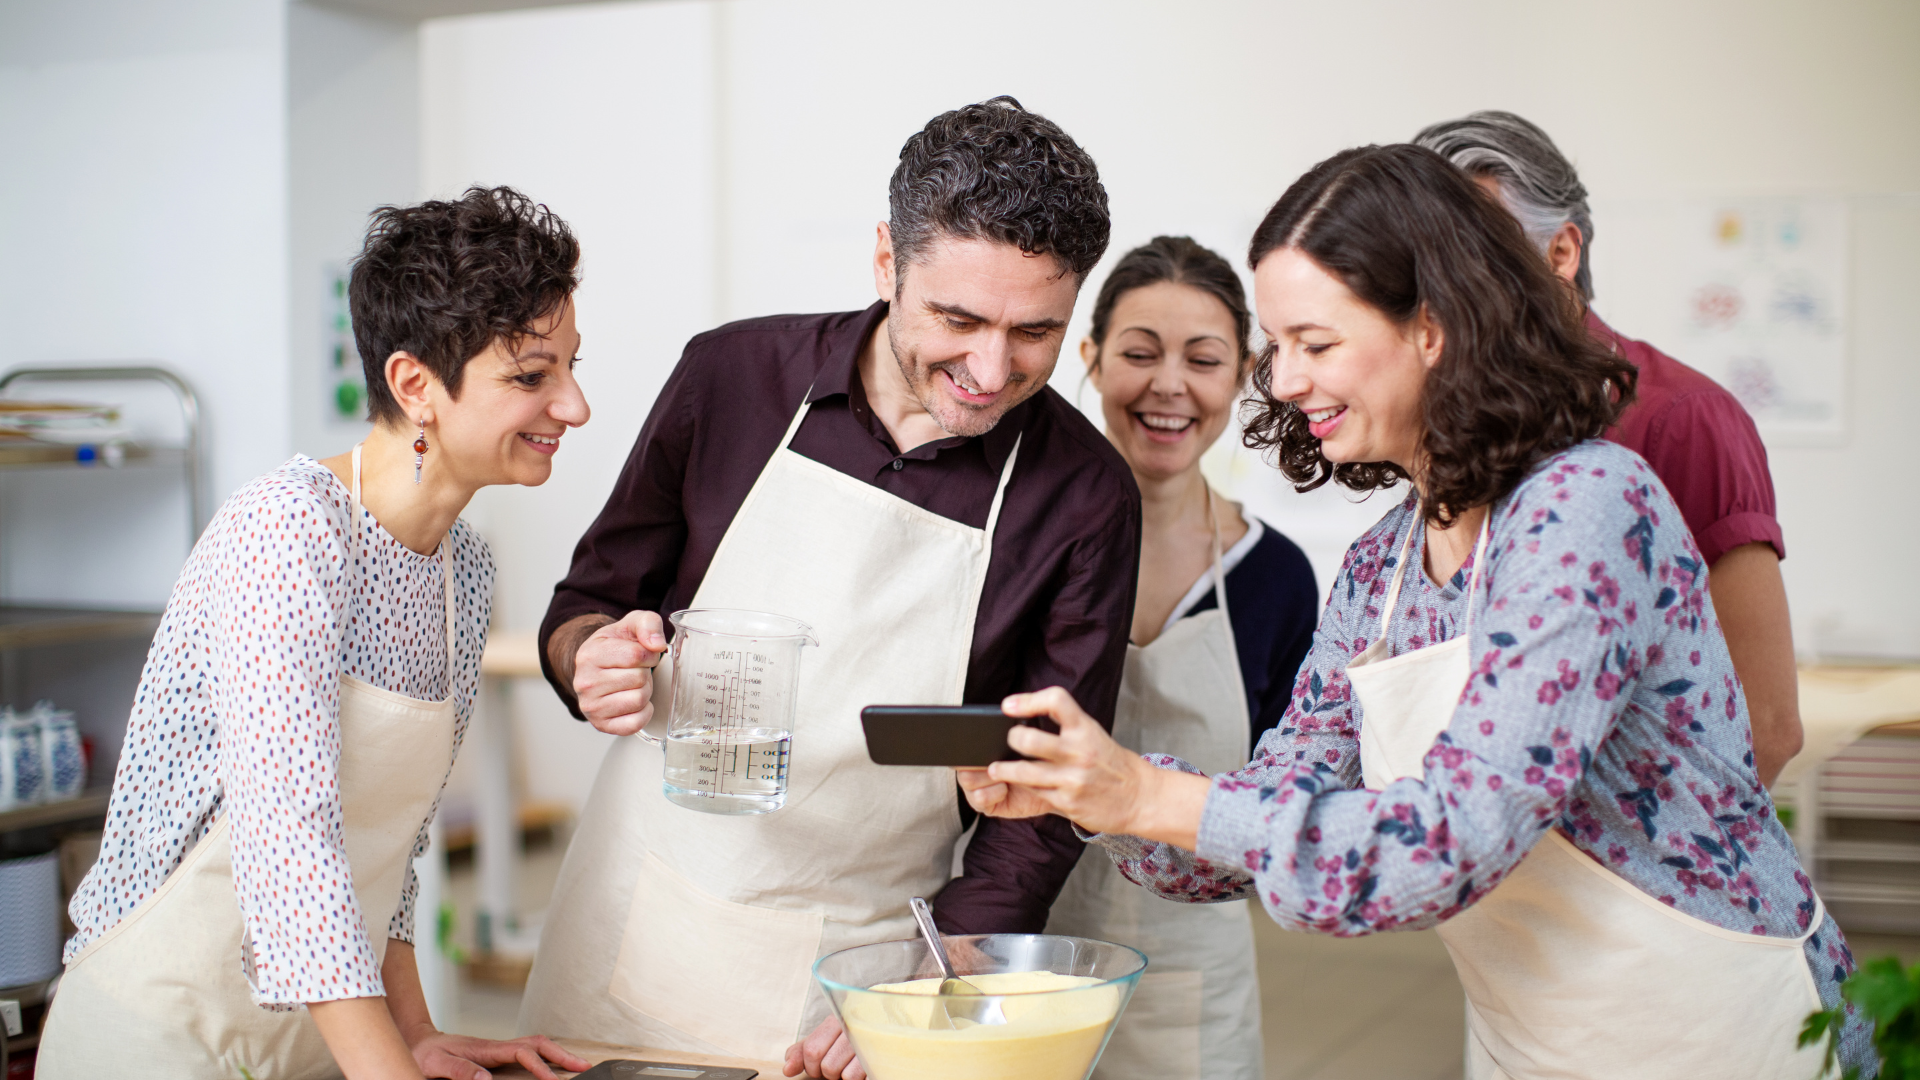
x,y
40,757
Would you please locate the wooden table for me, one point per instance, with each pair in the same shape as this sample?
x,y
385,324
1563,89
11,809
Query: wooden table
x,y
598,1052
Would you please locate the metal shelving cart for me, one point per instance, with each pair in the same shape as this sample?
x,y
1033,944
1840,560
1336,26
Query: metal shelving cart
x,y
34,626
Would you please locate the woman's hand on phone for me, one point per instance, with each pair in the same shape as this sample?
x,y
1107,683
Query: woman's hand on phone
x,y
1080,773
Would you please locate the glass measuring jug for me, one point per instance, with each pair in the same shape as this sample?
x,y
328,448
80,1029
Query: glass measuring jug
x,y
730,728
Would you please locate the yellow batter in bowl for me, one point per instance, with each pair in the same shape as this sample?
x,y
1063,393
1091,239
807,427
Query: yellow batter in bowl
x,y
1055,1025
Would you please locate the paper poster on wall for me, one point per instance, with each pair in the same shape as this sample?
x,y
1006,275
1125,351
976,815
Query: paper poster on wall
x,y
1751,291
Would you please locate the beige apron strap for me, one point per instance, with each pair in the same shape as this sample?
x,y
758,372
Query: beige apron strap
x,y
446,576
1406,548
1219,571
1399,568
793,427
1473,584
1000,492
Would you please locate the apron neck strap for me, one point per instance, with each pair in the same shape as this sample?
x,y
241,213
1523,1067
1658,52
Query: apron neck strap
x,y
1399,568
446,579
446,546
786,441
793,428
1000,490
1219,571
1479,560
1406,550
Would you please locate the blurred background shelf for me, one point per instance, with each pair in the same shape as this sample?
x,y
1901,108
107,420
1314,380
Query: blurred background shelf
x,y
91,804
35,456
25,626
1855,793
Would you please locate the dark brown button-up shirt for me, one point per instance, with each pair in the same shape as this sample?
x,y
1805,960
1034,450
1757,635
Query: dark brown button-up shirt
x,y
1058,599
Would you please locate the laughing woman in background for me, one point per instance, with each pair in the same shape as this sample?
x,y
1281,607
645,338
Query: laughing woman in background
x,y
1519,722
1223,617
252,911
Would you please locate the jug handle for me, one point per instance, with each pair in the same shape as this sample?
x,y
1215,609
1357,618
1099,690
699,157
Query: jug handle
x,y
661,699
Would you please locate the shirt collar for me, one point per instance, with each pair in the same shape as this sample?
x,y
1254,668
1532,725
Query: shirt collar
x,y
1599,328
839,375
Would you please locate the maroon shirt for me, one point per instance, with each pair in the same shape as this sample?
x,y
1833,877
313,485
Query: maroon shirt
x,y
1057,603
1702,445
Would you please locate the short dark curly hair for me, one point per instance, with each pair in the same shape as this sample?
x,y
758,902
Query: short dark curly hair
x,y
1519,377
995,171
445,280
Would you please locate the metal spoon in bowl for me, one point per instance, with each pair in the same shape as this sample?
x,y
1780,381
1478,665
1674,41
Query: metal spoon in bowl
x,y
958,1000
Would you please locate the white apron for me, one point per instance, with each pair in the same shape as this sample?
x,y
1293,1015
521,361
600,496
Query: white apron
x,y
1196,1012
697,932
1571,972
163,994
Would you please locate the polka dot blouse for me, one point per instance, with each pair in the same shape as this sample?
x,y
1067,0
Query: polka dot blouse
x,y
229,719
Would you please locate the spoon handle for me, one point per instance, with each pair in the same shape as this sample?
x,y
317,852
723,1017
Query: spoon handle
x,y
924,916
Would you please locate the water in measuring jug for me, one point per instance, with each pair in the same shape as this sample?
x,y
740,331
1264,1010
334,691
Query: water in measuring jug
x,y
728,770
730,738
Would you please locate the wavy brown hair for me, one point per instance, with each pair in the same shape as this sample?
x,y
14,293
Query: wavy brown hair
x,y
1519,377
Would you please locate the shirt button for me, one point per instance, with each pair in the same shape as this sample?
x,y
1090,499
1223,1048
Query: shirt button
x,y
898,464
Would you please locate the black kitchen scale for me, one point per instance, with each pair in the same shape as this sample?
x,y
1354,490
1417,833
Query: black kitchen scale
x,y
619,1069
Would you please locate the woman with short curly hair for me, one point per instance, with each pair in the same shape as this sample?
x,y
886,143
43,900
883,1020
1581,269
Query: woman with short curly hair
x,y
1519,722
252,911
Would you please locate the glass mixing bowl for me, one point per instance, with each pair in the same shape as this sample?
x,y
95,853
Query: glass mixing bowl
x,y
1050,1034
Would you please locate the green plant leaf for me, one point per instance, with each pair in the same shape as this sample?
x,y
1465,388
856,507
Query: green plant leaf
x,y
1883,990
1824,1024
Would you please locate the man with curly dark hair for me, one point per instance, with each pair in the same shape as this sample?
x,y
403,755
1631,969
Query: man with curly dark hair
x,y
902,480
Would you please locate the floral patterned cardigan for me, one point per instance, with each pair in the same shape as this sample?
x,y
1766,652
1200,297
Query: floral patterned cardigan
x,y
1602,699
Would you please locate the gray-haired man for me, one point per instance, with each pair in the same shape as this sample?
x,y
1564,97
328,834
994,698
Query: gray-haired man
x,y
1698,439
902,480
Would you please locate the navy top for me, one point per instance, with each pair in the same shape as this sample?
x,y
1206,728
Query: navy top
x,y
1273,603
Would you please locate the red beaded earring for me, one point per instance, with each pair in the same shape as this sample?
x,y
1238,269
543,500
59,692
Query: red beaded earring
x,y
419,452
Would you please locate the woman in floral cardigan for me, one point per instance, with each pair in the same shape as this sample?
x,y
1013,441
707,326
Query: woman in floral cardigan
x,y
1518,722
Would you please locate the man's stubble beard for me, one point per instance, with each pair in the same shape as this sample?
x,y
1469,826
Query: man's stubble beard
x,y
930,397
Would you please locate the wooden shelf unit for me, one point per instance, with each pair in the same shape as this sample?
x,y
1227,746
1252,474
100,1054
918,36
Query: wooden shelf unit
x,y
90,804
1865,853
26,626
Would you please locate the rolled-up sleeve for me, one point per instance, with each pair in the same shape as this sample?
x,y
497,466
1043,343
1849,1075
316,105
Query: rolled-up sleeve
x,y
1707,451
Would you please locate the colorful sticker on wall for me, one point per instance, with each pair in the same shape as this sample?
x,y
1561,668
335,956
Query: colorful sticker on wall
x,y
344,378
1751,291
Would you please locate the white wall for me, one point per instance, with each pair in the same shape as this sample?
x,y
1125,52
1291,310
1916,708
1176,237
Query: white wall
x,y
605,113
353,143
1200,114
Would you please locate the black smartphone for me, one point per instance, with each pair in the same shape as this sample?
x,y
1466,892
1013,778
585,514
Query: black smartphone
x,y
662,1070
956,736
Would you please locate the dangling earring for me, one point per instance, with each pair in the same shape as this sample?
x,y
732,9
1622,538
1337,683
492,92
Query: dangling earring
x,y
419,452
